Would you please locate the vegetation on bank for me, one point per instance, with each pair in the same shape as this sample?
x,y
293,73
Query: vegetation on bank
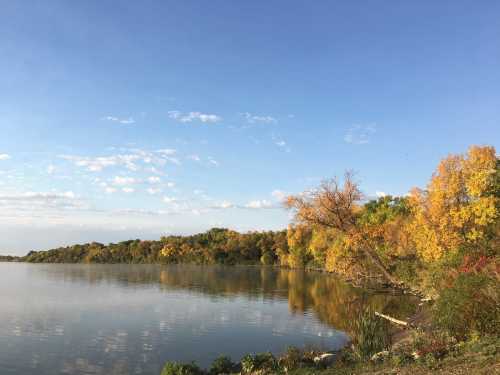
x,y
422,354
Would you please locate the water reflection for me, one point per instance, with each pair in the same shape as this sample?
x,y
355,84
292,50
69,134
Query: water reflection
x,y
124,319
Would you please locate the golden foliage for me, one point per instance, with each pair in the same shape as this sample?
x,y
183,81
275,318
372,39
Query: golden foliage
x,y
298,237
458,207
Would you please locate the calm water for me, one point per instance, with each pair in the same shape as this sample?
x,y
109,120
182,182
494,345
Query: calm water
x,y
130,319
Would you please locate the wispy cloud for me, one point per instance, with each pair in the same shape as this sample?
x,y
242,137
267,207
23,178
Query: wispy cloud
x,y
153,190
360,134
110,190
129,160
168,200
124,121
154,180
35,201
51,169
4,156
212,161
120,181
281,143
279,195
259,204
167,151
252,119
222,205
194,116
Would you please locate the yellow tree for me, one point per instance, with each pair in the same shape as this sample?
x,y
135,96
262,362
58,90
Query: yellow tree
x,y
298,237
460,206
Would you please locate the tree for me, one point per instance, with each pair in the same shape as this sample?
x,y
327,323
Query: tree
x,y
461,206
338,207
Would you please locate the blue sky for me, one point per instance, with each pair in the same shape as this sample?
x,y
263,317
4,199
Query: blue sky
x,y
141,118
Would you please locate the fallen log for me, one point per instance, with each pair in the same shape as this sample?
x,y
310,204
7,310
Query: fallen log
x,y
394,320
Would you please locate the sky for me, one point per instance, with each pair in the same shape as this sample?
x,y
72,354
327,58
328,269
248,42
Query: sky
x,y
137,119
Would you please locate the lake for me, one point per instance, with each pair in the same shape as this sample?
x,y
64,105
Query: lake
x,y
130,319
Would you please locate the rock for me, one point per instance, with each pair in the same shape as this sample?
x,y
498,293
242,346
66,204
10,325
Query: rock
x,y
380,355
325,359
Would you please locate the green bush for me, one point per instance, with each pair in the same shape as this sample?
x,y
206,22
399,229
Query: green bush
x,y
291,359
174,368
264,362
470,304
267,258
371,335
222,365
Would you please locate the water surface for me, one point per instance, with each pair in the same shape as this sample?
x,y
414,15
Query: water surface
x,y
130,319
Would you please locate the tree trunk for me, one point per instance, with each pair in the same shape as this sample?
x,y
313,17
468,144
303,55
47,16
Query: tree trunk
x,y
378,263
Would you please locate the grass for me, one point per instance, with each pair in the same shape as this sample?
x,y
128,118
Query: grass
x,y
476,357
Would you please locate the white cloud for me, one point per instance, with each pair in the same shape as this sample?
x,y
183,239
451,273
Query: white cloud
x,y
360,134
280,143
279,194
154,180
128,190
156,171
36,201
4,156
380,194
120,180
51,169
131,160
167,151
153,190
258,204
192,116
170,184
194,157
124,121
252,119
223,205
168,199
213,162
110,190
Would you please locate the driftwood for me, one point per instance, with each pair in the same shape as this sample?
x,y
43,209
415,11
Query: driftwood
x,y
394,320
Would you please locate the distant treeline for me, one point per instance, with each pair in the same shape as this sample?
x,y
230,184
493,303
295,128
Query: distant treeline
x,y
9,258
216,246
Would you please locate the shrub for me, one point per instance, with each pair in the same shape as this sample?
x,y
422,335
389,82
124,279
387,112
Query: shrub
x,y
174,368
371,335
267,258
264,362
291,359
435,345
222,365
470,304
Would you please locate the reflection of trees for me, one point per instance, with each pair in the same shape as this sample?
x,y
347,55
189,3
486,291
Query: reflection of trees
x,y
333,301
